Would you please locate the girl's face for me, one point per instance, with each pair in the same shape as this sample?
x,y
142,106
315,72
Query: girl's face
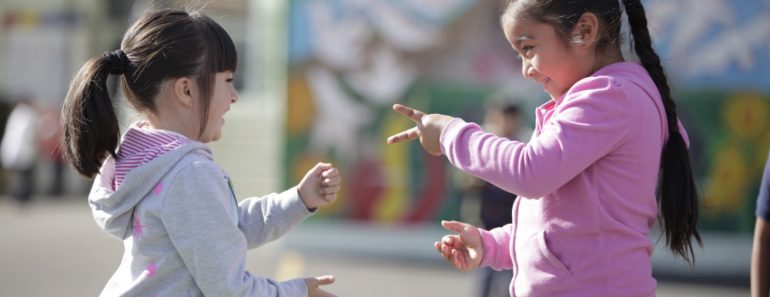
x,y
222,96
545,56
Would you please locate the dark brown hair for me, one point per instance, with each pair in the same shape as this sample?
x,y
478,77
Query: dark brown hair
x,y
161,45
676,193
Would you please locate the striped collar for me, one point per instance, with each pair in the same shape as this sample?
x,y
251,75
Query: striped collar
x,y
141,144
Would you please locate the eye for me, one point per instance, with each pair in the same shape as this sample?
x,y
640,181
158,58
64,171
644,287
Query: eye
x,y
229,80
526,49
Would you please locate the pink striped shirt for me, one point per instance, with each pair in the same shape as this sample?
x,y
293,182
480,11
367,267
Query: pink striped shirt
x,y
140,145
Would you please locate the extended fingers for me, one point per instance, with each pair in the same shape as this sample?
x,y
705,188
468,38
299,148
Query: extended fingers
x,y
406,135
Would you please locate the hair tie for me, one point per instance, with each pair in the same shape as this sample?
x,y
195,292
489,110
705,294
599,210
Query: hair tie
x,y
117,61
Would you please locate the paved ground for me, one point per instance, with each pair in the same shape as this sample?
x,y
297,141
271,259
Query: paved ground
x,y
53,248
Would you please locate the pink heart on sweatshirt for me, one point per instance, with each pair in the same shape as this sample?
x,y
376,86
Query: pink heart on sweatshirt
x,y
158,188
138,228
151,269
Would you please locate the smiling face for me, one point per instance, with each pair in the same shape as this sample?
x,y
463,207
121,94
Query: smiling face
x,y
222,96
546,57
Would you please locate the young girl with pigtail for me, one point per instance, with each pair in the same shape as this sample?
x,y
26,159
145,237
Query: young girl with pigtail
x,y
608,157
157,187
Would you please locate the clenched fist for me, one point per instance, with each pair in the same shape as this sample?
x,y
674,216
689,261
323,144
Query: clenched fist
x,y
320,185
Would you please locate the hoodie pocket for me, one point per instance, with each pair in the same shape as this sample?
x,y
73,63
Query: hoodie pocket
x,y
540,264
549,256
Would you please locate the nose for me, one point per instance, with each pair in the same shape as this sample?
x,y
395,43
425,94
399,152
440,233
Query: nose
x,y
527,70
234,97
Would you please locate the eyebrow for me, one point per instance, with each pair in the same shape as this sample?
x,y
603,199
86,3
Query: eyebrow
x,y
523,37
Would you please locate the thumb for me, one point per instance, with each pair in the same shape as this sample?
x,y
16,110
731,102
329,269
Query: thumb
x,y
455,226
319,280
320,167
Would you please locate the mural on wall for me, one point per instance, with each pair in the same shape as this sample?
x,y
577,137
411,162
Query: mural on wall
x,y
718,58
350,60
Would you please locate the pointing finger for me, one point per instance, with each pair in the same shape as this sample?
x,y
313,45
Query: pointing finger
x,y
411,113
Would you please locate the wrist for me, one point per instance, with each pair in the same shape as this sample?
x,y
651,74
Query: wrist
x,y
303,197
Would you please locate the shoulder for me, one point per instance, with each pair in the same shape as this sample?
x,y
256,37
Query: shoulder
x,y
195,180
601,96
196,165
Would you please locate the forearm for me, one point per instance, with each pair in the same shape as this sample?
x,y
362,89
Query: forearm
x,y
760,260
267,218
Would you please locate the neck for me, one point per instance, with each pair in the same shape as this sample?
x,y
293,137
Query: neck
x,y
175,119
610,56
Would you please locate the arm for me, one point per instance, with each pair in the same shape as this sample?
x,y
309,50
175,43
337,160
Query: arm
x,y
590,123
265,219
760,260
195,214
760,255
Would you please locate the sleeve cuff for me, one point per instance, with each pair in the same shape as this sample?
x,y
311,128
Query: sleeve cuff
x,y
296,287
490,245
293,203
450,132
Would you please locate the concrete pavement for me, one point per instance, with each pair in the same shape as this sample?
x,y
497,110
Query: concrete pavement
x,y
53,248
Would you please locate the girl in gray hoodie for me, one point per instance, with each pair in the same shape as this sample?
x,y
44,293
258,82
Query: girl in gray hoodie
x,y
157,187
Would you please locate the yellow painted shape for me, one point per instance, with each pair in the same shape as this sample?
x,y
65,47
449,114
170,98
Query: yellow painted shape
x,y
727,182
395,157
746,115
300,108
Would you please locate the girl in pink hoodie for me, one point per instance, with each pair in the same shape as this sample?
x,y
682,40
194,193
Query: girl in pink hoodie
x,y
608,157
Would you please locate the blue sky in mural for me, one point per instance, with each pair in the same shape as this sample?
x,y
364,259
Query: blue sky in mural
x,y
427,13
299,35
715,44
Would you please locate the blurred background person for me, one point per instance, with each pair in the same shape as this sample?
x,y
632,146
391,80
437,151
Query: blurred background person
x,y
18,150
484,203
50,134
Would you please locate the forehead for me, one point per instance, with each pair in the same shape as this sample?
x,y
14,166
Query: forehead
x,y
522,29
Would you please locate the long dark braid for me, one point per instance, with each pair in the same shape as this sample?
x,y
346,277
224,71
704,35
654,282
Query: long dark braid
x,y
677,194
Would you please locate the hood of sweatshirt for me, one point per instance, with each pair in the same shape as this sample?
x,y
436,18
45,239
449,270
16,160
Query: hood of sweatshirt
x,y
112,209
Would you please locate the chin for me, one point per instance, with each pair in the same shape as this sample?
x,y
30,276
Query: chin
x,y
216,137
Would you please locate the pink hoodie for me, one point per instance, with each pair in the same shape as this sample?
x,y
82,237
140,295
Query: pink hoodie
x,y
586,182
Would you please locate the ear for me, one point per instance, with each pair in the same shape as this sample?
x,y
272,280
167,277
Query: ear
x,y
586,31
183,90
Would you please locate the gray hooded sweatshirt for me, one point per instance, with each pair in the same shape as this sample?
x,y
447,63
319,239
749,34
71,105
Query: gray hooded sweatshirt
x,y
183,231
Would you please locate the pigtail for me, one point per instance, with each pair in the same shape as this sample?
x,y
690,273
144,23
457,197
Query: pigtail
x,y
90,124
676,194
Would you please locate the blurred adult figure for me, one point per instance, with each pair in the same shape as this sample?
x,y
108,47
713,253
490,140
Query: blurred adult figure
x,y
50,136
18,150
